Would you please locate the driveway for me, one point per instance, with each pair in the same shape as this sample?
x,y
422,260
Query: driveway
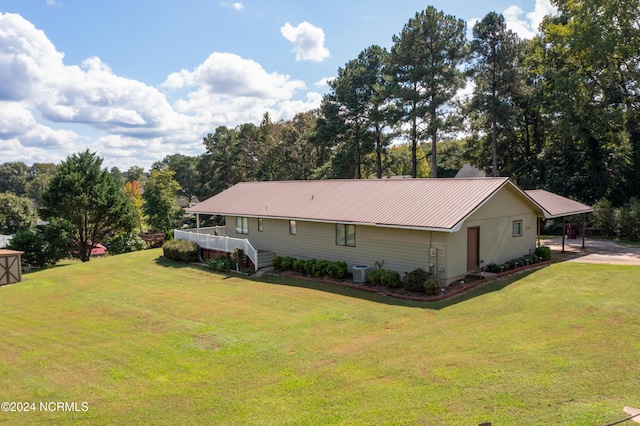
x,y
595,251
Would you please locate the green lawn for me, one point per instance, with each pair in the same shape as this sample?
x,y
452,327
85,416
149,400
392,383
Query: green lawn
x,y
146,341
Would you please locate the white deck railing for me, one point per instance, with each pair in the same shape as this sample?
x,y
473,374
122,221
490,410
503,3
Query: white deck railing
x,y
218,242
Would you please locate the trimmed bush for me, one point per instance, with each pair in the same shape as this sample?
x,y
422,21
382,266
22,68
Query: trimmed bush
x,y
432,287
375,276
414,280
391,279
181,250
385,278
494,268
317,268
544,253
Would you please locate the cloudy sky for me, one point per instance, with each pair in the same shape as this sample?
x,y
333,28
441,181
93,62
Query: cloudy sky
x,y
135,80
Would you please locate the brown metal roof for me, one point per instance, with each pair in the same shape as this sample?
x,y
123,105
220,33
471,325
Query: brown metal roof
x,y
439,204
555,205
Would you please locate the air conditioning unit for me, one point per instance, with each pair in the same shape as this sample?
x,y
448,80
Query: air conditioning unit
x,y
361,273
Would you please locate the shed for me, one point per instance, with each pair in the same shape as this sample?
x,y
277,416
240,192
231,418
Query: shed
x,y
10,266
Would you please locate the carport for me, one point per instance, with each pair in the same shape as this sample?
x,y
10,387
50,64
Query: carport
x,y
555,206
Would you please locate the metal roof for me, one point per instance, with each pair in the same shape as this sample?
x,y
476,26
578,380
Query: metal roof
x,y
432,204
554,205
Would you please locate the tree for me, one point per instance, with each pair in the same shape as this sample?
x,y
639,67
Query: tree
x,y
132,191
46,244
593,69
221,159
136,173
425,68
186,173
16,214
39,175
88,197
13,177
160,197
495,50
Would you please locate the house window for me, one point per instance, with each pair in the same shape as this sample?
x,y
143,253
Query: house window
x,y
242,225
517,228
260,225
293,230
345,235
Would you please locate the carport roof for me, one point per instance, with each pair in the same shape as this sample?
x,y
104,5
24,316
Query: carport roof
x,y
554,205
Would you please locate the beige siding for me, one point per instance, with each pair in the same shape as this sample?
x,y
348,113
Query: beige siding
x,y
399,250
497,243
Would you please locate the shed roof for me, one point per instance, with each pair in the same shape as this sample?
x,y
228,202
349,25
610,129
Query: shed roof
x,y
431,204
555,205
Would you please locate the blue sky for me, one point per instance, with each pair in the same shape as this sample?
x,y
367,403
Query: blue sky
x,y
136,80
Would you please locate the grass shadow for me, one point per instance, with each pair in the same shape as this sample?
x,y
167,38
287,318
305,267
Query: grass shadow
x,y
486,288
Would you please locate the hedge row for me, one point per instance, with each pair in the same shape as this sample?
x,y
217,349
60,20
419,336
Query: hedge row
x,y
417,281
181,250
541,254
317,268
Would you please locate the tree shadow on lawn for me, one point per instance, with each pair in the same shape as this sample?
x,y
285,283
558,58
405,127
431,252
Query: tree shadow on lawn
x,y
480,290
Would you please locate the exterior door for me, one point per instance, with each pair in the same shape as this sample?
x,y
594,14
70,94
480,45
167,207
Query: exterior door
x,y
473,249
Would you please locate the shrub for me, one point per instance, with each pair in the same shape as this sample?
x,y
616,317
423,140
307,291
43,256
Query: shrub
x,y
125,242
505,267
414,280
494,268
391,279
432,287
338,270
221,264
181,250
287,263
544,253
277,262
375,276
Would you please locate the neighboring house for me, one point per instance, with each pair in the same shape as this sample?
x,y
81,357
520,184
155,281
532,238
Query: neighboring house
x,y
449,227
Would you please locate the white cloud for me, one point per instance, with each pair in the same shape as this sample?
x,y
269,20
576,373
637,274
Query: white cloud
x,y
308,41
324,82
524,25
229,74
125,121
236,5
528,28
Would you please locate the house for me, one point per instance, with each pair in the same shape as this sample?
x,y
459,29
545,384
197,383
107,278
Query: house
x,y
449,227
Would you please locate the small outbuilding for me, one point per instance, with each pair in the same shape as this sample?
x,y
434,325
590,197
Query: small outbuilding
x,y
10,266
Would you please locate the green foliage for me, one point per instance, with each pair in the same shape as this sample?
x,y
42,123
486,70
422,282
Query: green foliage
x,y
16,214
181,250
88,197
414,280
13,177
126,242
46,244
314,267
221,264
432,287
544,253
629,220
161,203
384,277
605,217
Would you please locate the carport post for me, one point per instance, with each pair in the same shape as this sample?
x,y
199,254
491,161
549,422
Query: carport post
x,y
584,228
564,230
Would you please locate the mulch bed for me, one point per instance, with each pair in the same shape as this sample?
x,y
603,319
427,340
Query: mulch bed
x,y
453,289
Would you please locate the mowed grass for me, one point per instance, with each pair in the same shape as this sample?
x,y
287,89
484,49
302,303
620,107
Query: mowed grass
x,y
147,341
